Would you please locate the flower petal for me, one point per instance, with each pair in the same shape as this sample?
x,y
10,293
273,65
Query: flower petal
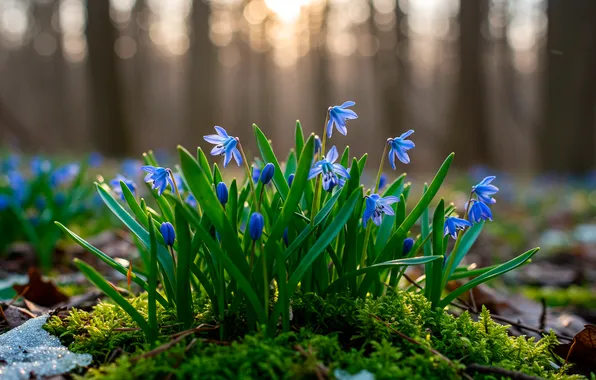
x,y
392,158
349,103
214,139
337,168
237,156
403,156
222,132
217,150
332,155
406,134
315,171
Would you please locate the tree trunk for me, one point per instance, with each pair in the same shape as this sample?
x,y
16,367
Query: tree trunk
x,y
110,130
202,84
568,134
469,135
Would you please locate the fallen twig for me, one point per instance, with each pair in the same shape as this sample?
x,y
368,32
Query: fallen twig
x,y
513,323
514,375
499,318
321,371
178,338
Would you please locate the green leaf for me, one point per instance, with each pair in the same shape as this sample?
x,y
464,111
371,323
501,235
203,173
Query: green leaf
x,y
109,261
165,260
460,273
389,220
153,273
269,157
336,285
324,240
185,259
401,232
437,244
499,270
319,218
204,164
467,240
299,137
97,280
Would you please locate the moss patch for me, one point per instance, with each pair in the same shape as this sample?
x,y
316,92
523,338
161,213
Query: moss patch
x,y
329,336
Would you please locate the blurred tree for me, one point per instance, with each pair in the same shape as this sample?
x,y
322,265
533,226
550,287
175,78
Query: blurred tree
x,y
110,129
391,74
202,86
568,132
469,137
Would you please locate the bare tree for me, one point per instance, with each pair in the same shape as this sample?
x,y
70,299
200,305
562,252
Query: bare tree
x,y
469,137
110,129
202,86
568,133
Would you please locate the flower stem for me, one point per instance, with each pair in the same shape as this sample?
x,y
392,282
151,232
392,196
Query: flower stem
x,y
265,279
451,261
380,172
369,227
248,175
175,184
315,198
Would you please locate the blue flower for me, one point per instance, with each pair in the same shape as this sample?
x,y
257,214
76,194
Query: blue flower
x,y
338,115
479,211
18,185
60,199
191,201
382,181
290,179
256,174
330,170
408,244
453,224
5,201
130,168
224,145
376,207
115,183
95,159
222,193
168,233
40,165
255,225
64,174
11,162
285,237
484,190
179,182
399,147
267,173
318,144
160,177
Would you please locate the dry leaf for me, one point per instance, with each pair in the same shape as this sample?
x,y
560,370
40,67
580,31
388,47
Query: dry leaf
x,y
40,292
582,351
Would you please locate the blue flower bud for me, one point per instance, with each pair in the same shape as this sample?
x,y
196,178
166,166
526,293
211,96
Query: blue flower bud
x,y
382,181
290,179
255,225
222,193
168,233
408,244
286,236
256,173
318,144
267,173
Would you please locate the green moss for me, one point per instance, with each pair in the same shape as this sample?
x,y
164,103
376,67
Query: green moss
x,y
336,334
581,297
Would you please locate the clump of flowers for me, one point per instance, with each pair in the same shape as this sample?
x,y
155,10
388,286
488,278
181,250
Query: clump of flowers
x,y
300,224
37,191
